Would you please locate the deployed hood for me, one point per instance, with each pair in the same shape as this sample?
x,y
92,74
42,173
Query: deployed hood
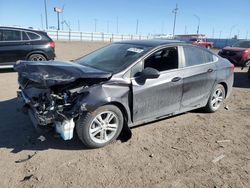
x,y
52,73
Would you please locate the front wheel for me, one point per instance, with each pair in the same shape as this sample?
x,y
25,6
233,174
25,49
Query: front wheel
x,y
101,127
216,99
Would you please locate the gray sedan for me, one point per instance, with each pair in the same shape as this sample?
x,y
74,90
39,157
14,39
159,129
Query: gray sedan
x,y
122,85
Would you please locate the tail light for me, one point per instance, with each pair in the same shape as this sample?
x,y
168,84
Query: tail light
x,y
52,44
232,67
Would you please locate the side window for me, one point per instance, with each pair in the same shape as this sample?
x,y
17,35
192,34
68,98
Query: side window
x,y
164,59
33,36
208,57
136,69
11,35
196,56
24,36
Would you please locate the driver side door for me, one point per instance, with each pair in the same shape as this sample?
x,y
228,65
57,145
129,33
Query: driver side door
x,y
158,97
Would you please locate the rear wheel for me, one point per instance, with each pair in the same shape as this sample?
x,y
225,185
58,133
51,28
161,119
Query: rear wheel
x,y
216,99
37,57
101,127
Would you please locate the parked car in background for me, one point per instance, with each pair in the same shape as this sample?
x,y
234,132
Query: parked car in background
x,y
202,42
122,85
238,54
195,39
24,44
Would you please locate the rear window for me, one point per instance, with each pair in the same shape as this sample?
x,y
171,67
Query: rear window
x,y
11,35
196,56
33,36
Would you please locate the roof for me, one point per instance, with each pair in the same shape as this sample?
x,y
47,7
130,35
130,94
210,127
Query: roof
x,y
22,28
151,43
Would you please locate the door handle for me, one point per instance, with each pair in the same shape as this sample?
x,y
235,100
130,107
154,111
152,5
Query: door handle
x,y
27,43
176,79
210,70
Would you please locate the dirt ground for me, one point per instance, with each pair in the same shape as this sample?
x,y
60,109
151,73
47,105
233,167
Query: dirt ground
x,y
181,151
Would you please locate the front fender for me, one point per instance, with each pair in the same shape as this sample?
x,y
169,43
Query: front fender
x,y
99,95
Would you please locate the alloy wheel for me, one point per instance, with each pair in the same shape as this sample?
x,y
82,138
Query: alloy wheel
x,y
217,98
104,127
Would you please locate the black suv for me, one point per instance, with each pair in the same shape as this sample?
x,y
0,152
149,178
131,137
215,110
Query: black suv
x,y
24,44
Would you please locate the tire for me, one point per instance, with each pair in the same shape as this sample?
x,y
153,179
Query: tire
x,y
216,99
37,57
101,127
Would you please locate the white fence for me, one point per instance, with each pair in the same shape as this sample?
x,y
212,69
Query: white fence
x,y
101,37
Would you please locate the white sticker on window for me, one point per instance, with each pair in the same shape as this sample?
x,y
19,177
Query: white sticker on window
x,y
136,50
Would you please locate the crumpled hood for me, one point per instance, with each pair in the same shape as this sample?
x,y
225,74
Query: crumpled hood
x,y
51,73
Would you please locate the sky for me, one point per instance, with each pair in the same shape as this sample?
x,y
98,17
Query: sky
x,y
218,18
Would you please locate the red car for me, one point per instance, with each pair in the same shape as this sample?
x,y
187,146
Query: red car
x,y
202,42
238,54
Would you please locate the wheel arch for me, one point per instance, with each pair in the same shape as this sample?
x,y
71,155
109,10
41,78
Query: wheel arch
x,y
224,84
126,132
122,108
36,52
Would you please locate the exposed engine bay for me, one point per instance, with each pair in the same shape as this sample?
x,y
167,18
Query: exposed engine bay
x,y
53,99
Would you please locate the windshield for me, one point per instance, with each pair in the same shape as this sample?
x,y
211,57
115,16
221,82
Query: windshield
x,y
115,57
242,44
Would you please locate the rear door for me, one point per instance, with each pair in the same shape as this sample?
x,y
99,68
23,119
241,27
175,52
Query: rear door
x,y
199,75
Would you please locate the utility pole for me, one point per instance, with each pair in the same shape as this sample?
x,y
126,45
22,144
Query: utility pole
x,y
198,26
79,27
42,21
137,25
231,29
107,26
62,18
58,21
175,13
95,20
162,27
238,34
185,30
117,25
220,34
46,16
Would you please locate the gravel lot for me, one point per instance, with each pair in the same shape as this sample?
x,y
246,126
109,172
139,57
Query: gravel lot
x,y
194,149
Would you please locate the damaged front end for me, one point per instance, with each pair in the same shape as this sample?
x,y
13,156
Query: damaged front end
x,y
52,92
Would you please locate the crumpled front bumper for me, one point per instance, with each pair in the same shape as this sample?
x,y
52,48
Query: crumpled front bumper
x,y
37,120
65,128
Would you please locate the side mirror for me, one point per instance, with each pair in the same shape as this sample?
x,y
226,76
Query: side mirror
x,y
150,73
